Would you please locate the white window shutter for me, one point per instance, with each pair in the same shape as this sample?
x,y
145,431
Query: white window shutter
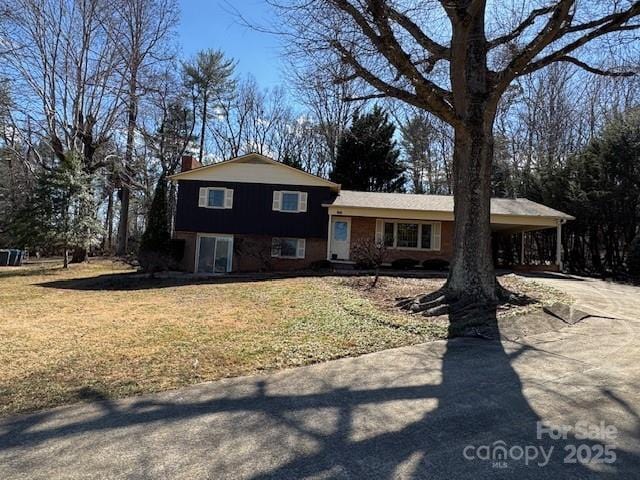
x,y
228,198
275,247
301,247
379,230
202,198
436,235
302,202
277,198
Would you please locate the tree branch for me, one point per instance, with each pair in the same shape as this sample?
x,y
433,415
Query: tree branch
x,y
365,97
548,34
615,24
435,49
530,20
442,110
430,94
597,71
559,26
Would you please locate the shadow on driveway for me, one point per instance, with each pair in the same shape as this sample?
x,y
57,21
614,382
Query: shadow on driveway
x,y
395,424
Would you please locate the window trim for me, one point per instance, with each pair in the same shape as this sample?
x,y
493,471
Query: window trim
x,y
282,194
301,195
420,223
218,189
225,195
216,236
296,257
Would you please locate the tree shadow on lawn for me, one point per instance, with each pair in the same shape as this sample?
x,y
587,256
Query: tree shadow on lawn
x,y
131,281
479,402
10,272
140,281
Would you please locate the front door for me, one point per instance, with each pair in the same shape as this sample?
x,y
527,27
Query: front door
x,y
214,254
340,238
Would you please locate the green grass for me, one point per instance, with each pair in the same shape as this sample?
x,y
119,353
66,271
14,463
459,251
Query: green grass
x,y
101,331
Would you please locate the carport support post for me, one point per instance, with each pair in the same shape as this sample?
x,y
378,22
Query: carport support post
x,y
329,235
522,248
559,245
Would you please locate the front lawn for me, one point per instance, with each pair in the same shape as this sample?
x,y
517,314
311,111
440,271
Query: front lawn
x,y
102,331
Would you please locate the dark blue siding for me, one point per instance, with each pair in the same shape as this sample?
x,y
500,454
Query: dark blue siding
x,y
252,211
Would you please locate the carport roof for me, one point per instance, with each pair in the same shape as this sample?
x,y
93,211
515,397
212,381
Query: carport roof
x,y
441,203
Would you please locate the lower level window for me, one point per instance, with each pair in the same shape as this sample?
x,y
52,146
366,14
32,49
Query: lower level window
x,y
288,247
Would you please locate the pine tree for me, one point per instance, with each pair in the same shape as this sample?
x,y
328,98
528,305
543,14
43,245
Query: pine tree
x,y
209,74
368,158
61,215
292,160
154,254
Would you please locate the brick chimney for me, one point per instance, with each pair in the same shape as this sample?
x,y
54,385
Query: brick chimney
x,y
189,162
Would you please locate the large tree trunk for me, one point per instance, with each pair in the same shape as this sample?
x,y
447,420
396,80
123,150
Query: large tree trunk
x,y
471,287
123,223
108,244
172,203
472,276
123,226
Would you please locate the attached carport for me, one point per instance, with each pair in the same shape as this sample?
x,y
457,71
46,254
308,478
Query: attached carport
x,y
519,219
523,227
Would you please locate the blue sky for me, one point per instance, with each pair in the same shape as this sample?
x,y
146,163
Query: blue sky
x,y
211,24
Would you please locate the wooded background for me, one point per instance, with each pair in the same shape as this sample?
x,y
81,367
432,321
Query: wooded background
x,y
97,106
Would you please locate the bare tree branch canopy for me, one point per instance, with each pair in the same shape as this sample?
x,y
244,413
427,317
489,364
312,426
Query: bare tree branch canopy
x,y
456,59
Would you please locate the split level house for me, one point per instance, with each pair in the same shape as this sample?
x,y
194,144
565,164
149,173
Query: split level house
x,y
253,213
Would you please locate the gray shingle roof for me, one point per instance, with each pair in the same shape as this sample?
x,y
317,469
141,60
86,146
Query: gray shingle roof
x,y
441,203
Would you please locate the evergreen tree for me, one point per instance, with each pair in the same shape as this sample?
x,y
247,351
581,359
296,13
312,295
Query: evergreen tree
x,y
633,258
209,74
601,187
154,254
368,158
292,160
61,215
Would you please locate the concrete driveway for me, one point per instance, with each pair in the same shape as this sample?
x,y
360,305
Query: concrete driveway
x,y
597,297
435,410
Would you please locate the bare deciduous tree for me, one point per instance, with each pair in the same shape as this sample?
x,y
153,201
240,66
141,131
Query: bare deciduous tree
x,y
456,59
65,70
143,28
328,103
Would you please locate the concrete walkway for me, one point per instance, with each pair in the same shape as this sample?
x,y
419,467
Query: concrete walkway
x,y
426,411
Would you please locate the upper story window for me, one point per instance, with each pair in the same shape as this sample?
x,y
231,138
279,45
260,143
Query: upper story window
x,y
215,197
289,201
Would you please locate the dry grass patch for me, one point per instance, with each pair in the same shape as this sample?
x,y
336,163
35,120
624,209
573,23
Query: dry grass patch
x,y
390,288
103,331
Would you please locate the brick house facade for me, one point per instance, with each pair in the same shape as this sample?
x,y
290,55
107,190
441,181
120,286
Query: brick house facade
x,y
252,213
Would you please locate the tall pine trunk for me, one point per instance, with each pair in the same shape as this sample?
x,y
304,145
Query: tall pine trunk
x,y
132,114
108,244
203,127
